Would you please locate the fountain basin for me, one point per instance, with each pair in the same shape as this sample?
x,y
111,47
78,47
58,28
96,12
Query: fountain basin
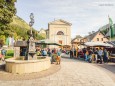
x,y
27,66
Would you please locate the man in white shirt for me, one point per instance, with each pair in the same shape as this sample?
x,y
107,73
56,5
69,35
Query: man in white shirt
x,y
100,53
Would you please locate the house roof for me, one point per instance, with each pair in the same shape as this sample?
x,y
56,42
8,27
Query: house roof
x,y
46,29
77,36
91,36
60,20
107,27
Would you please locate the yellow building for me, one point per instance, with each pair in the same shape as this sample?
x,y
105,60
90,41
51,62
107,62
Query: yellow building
x,y
76,42
59,31
95,37
42,33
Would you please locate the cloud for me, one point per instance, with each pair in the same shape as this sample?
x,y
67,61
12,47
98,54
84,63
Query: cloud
x,y
85,15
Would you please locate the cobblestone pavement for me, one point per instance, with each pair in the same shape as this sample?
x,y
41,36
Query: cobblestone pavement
x,y
109,68
72,73
5,76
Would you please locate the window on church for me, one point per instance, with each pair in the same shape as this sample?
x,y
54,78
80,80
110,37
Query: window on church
x,y
60,33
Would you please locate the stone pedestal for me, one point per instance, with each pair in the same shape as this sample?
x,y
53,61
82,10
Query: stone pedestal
x,y
16,52
31,49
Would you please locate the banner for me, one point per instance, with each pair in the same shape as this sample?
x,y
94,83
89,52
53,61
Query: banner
x,y
111,27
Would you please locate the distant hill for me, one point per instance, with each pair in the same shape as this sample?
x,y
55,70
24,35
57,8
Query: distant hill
x,y
20,22
21,30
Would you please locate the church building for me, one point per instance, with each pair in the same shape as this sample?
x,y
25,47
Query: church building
x,y
59,31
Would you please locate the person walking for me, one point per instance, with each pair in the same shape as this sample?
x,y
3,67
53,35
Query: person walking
x,y
3,53
71,54
100,53
49,52
86,55
105,58
44,52
74,53
90,52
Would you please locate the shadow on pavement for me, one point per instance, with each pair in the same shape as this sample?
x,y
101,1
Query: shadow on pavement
x,y
2,67
110,67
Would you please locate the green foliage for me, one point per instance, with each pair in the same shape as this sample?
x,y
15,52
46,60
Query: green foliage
x,y
21,29
1,42
7,11
1,32
43,35
11,25
2,38
10,53
17,21
40,37
6,57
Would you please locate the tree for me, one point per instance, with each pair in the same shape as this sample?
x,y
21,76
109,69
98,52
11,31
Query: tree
x,y
7,11
2,39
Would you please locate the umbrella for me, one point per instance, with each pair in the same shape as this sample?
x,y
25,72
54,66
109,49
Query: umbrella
x,y
98,44
48,42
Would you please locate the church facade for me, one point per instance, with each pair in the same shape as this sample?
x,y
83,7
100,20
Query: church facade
x,y
59,31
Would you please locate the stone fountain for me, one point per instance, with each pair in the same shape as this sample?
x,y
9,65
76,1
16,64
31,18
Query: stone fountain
x,y
31,63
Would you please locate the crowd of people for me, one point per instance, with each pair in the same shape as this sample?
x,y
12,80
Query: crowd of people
x,y
98,55
53,53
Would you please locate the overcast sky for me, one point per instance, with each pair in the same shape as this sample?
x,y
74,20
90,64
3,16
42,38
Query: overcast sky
x,y
85,15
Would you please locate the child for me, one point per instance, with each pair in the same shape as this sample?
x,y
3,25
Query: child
x,y
2,57
58,58
3,53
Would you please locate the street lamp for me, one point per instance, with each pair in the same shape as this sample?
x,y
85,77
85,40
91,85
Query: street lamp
x,y
31,44
31,22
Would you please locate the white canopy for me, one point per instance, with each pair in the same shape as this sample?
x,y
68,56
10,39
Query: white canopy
x,y
98,44
48,42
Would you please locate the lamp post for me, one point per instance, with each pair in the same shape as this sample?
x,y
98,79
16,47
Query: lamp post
x,y
31,43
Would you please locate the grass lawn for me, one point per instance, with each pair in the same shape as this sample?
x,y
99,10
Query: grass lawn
x,y
9,54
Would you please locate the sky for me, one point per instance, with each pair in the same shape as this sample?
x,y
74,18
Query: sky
x,y
85,15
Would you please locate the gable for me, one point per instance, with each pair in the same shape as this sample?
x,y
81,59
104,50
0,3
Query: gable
x,y
95,35
60,22
99,35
